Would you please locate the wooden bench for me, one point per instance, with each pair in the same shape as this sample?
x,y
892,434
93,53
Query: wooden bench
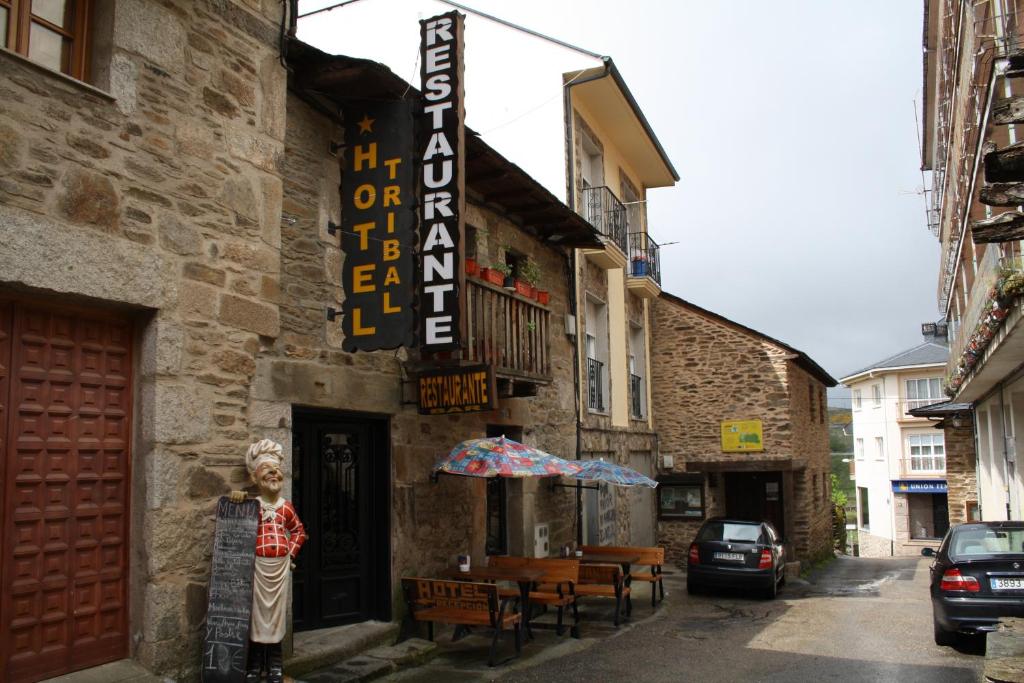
x,y
461,603
649,557
606,581
556,588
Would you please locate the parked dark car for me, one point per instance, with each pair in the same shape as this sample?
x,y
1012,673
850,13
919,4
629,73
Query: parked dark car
x,y
735,553
976,578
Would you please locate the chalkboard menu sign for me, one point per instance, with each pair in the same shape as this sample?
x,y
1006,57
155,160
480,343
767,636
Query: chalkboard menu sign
x,y
230,601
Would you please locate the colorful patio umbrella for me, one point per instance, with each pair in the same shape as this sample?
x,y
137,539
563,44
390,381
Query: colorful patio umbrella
x,y
610,473
501,457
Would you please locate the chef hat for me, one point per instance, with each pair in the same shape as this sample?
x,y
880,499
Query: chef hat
x,y
263,452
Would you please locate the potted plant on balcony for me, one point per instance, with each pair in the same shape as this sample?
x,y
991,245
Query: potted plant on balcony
x,y
472,267
529,275
639,265
500,274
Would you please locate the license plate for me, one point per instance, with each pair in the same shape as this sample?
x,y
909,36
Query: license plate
x,y
1007,584
737,557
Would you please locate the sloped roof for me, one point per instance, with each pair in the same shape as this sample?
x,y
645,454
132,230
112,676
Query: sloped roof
x,y
802,359
928,353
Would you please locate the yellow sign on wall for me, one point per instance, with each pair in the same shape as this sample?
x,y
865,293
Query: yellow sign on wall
x,y
741,436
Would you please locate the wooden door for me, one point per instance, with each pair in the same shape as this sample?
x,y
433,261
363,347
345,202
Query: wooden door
x,y
65,396
755,496
339,489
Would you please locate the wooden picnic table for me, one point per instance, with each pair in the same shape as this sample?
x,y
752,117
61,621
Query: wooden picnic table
x,y
524,576
624,559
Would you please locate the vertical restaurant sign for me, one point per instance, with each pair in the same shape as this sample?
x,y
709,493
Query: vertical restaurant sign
x,y
378,226
442,152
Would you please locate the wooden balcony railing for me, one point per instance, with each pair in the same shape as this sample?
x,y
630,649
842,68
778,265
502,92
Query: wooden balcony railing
x,y
508,331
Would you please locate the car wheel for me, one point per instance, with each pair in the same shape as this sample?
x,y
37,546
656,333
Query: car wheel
x,y
942,636
771,591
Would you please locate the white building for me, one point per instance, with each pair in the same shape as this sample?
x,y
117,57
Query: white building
x,y
899,460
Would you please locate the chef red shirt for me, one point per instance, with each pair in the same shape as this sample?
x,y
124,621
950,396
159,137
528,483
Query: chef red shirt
x,y
280,532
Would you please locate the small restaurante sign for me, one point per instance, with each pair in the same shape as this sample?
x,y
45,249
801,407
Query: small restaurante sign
x,y
457,390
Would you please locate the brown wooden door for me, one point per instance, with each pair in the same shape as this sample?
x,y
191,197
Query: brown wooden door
x,y
756,496
65,399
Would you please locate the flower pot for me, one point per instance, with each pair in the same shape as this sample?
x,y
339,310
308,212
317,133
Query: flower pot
x,y
492,276
543,297
639,267
509,282
472,267
523,288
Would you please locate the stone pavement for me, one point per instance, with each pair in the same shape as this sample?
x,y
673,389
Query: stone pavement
x,y
1004,655
418,660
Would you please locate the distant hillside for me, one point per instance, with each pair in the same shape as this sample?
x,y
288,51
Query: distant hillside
x,y
840,430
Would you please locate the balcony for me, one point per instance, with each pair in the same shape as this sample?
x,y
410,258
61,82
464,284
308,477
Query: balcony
x,y
995,356
595,385
636,387
605,212
908,404
508,331
923,466
644,266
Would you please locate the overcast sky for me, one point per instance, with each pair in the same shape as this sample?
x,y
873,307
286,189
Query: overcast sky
x,y
791,124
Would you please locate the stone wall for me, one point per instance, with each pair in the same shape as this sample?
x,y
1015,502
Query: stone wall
x,y
159,190
961,469
870,545
706,370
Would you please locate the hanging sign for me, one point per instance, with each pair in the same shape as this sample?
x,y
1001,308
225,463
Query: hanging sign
x,y
442,184
378,226
741,436
466,389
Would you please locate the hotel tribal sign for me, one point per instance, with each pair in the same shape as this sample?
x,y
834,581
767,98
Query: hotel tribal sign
x,y
378,226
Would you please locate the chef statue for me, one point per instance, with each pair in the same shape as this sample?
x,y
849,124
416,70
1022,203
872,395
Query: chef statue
x,y
278,538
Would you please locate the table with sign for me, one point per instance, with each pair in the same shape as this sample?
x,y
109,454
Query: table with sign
x,y
523,576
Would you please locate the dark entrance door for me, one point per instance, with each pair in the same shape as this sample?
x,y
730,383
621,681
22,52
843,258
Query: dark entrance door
x,y
756,496
340,490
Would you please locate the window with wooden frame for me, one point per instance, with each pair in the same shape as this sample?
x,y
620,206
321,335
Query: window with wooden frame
x,y
52,33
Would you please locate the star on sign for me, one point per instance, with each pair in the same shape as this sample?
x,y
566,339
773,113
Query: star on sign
x,y
366,125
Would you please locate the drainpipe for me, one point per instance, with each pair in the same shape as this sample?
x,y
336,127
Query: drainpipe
x,y
1008,461
570,197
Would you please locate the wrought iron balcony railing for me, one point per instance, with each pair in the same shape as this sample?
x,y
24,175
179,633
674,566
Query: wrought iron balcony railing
x,y
644,256
914,403
923,466
636,387
606,213
595,384
991,266
508,331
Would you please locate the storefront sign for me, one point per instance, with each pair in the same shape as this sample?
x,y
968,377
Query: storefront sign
x,y
468,389
442,185
378,227
917,486
741,436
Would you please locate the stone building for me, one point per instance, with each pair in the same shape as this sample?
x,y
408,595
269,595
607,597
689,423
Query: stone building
x,y
900,460
166,270
742,423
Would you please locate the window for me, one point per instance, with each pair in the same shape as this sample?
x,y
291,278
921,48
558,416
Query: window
x,y
862,508
681,498
856,399
876,395
879,448
637,363
927,452
821,404
923,392
49,32
597,355
814,486
810,399
858,449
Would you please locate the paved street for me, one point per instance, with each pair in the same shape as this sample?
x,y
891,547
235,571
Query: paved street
x,y
855,620
858,620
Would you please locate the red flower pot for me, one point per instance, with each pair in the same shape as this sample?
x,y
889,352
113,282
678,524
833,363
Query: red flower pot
x,y
543,297
492,276
472,267
524,289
